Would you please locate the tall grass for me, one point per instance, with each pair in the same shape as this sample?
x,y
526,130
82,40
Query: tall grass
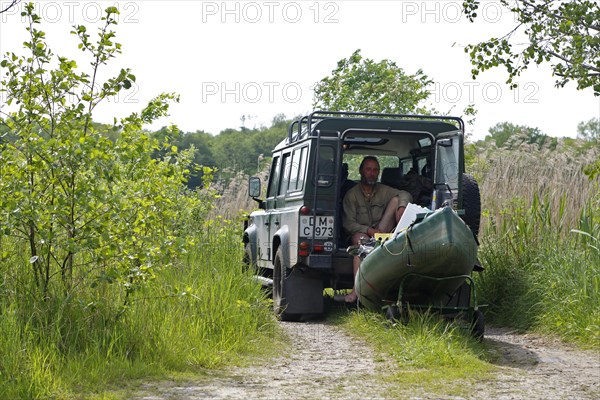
x,y
541,228
204,312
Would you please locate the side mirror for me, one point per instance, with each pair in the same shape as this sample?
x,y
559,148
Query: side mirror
x,y
254,186
254,190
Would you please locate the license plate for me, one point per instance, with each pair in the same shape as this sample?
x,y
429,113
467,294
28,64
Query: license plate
x,y
323,228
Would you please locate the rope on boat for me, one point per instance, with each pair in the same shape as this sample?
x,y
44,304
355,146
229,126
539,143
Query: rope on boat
x,y
406,242
401,251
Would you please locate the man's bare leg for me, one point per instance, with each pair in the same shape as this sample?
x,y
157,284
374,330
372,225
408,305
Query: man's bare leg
x,y
389,219
357,238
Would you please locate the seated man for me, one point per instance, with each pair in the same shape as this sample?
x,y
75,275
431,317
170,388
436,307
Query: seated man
x,y
371,208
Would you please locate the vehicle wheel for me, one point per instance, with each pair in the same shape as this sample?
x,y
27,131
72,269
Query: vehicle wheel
x,y
280,273
471,203
478,325
247,260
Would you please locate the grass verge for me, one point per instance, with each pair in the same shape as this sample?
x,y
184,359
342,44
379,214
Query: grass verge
x,y
433,355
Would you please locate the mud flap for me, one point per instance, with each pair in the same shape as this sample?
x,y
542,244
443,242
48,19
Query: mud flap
x,y
304,291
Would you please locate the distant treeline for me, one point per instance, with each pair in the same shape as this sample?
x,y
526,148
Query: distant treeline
x,y
247,151
230,152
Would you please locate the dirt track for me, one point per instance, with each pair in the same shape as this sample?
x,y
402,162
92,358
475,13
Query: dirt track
x,y
324,363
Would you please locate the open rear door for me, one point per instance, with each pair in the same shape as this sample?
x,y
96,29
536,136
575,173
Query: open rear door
x,y
449,167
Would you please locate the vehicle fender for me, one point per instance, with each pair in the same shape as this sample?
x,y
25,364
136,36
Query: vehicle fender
x,y
281,238
251,237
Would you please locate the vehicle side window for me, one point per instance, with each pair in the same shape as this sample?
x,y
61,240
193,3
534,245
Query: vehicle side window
x,y
274,177
407,165
298,169
285,174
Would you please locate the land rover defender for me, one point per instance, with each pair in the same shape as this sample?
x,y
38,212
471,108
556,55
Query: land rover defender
x,y
296,241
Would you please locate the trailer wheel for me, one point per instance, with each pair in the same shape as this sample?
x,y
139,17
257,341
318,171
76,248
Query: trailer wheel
x,y
471,203
392,313
395,313
478,325
280,273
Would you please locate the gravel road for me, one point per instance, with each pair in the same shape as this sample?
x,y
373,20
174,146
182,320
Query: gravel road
x,y
324,363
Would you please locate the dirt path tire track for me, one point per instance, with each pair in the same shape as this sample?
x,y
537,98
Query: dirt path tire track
x,y
537,367
325,363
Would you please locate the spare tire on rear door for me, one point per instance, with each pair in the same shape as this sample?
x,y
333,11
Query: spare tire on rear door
x,y
471,203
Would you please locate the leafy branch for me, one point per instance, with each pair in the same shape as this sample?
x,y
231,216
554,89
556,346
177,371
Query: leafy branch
x,y
565,34
84,204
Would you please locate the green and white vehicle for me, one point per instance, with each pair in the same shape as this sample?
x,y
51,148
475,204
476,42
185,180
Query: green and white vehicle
x,y
295,241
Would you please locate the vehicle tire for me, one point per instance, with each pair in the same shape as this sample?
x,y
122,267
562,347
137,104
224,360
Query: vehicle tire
x,y
247,260
478,325
471,203
280,273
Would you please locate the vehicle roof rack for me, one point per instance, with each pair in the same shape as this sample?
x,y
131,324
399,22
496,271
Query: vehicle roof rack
x,y
304,126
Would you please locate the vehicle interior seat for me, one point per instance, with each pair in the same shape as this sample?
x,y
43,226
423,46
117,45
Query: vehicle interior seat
x,y
345,185
392,176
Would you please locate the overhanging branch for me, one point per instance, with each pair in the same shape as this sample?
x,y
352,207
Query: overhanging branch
x,y
586,66
11,5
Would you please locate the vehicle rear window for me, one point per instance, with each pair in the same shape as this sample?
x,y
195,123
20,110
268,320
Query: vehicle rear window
x,y
326,175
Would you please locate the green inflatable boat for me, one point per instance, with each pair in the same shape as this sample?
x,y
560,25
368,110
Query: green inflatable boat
x,y
437,245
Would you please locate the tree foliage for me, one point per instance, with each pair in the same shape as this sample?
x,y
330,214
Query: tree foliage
x,y
565,34
229,152
363,85
589,130
90,210
509,135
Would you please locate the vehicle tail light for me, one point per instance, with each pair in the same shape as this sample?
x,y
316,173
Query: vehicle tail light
x,y
318,248
304,210
303,249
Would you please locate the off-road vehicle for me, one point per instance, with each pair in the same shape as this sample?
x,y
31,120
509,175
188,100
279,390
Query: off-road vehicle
x,y
296,240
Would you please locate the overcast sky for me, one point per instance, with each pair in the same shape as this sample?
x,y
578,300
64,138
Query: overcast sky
x,y
261,58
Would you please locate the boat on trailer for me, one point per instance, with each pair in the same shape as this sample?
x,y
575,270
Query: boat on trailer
x,y
425,264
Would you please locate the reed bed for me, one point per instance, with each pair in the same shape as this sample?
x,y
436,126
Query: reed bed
x,y
540,242
232,195
511,180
